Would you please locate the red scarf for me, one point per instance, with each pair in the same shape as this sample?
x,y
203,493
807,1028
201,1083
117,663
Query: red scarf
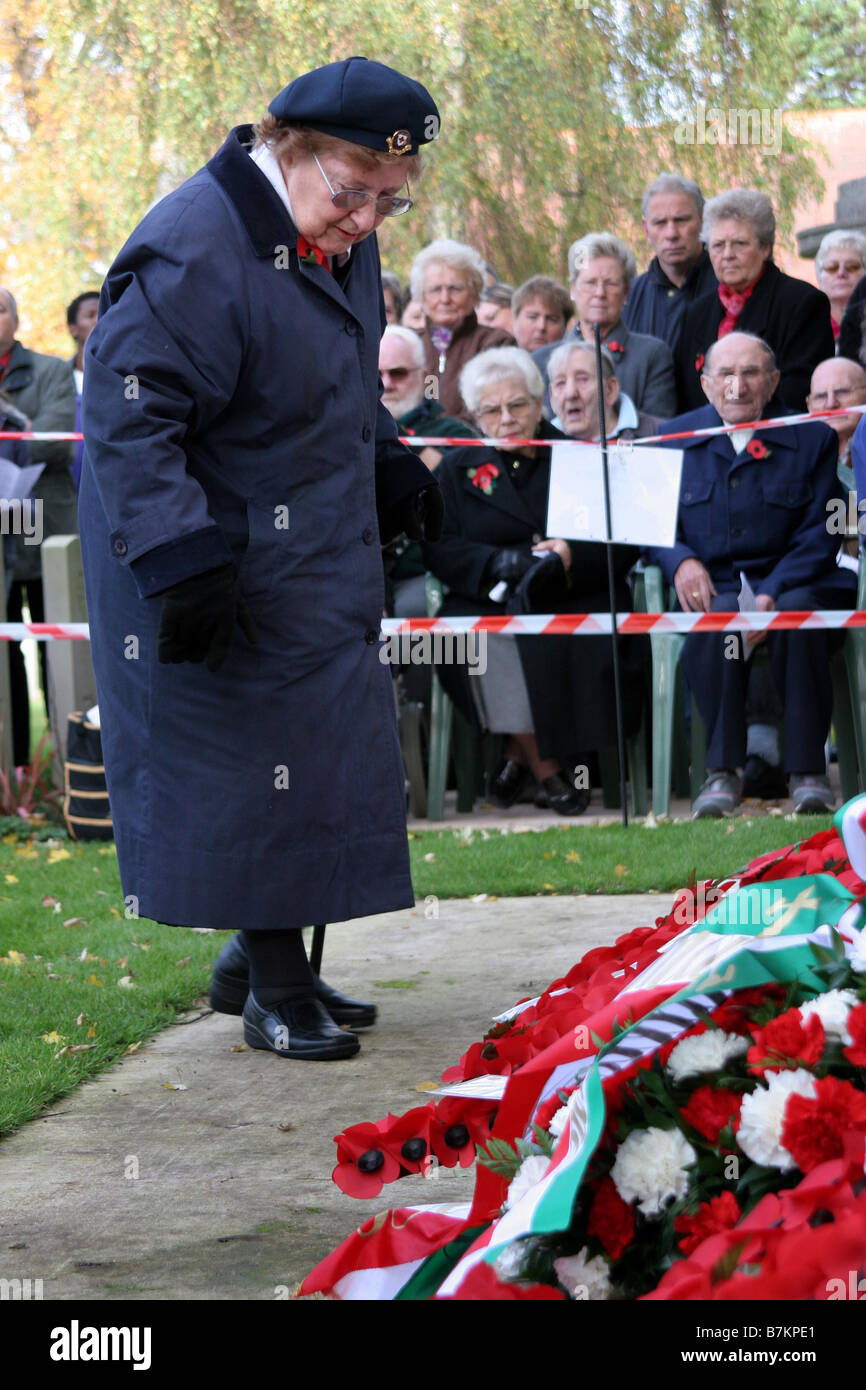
x,y
734,302
306,248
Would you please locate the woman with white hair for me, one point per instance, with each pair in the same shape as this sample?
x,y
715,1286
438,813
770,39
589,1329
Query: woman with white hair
x,y
839,264
753,296
554,701
601,269
447,278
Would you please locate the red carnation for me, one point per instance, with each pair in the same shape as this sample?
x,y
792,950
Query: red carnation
x,y
732,1015
814,1128
787,1041
710,1219
856,1025
611,1220
758,449
709,1110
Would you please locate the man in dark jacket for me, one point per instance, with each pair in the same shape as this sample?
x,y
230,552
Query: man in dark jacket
x,y
43,388
851,333
680,271
756,502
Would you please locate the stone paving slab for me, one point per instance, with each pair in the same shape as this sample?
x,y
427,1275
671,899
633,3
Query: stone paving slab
x,y
233,1197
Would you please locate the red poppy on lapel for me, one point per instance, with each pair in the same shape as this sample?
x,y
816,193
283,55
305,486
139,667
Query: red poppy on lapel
x,y
758,449
484,477
699,362
615,349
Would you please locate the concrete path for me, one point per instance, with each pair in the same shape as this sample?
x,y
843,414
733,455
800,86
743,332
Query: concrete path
x,y
128,1190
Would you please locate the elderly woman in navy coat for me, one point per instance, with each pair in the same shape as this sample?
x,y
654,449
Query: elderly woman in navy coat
x,y
241,475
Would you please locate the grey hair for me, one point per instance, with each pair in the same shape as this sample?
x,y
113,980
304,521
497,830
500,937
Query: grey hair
x,y
407,335
451,253
746,205
833,240
497,364
596,244
12,305
561,354
674,183
754,338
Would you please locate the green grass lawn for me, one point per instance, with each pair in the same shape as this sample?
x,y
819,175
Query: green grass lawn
x,y
81,983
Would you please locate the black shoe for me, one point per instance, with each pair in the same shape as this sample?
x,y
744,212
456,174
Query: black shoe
x,y
301,1029
763,780
509,783
558,795
343,1009
230,986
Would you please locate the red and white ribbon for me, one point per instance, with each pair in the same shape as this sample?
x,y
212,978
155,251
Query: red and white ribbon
x,y
440,441
543,624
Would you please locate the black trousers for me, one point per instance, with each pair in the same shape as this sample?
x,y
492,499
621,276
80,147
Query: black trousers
x,y
800,662
18,672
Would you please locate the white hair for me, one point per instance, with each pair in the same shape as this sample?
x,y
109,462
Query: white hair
x,y
674,183
745,205
596,244
407,335
451,253
498,364
834,240
560,355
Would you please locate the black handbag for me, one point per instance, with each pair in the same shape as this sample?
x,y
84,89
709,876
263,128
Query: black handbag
x,y
85,804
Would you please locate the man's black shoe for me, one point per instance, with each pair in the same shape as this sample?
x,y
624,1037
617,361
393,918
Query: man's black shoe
x,y
230,984
509,783
763,780
301,1029
558,795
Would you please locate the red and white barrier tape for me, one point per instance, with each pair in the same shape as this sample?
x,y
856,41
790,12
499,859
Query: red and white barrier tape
x,y
418,441
542,624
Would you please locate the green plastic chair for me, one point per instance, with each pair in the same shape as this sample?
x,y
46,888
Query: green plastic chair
x,y
848,671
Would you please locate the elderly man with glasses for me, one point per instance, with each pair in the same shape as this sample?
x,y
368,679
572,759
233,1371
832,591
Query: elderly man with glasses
x,y
755,502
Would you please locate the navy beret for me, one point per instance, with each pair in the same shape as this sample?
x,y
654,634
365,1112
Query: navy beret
x,y
363,102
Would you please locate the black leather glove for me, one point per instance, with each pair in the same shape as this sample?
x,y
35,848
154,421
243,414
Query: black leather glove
x,y
418,516
508,566
545,580
198,618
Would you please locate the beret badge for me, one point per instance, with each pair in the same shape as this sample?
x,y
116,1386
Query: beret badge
x,y
399,143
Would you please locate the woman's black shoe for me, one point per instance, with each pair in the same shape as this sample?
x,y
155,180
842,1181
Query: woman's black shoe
x,y
509,783
230,985
763,780
343,1009
301,1029
566,800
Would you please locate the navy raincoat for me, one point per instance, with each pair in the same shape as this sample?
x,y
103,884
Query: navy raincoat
x,y
231,413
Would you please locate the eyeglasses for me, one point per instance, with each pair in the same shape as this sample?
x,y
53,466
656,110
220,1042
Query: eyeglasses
x,y
398,373
850,267
350,199
490,412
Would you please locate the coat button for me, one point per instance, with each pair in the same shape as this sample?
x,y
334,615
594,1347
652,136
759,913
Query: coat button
x,y
366,434
368,535
119,546
734,482
350,327
371,636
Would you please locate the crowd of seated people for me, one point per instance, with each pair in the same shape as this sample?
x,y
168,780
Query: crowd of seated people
x,y
711,333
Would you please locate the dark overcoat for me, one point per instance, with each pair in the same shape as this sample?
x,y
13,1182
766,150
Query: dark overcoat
x,y
764,515
789,314
569,679
231,414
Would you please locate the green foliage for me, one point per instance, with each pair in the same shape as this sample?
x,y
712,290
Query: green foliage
x,y
554,116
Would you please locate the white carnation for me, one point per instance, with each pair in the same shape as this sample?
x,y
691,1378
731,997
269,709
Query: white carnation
x,y
833,1009
582,1277
509,1260
706,1052
762,1115
528,1175
856,952
650,1168
559,1121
